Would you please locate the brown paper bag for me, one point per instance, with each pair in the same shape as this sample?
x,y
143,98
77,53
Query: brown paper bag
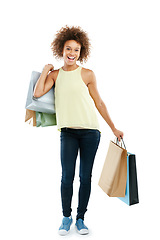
x,y
30,117
114,173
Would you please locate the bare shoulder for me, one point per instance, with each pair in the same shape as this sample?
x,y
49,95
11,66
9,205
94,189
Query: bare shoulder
x,y
87,71
87,75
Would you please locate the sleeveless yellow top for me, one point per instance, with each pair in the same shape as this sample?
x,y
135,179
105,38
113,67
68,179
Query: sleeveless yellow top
x,y
73,103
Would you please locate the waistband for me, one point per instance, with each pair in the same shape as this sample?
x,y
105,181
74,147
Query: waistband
x,y
66,129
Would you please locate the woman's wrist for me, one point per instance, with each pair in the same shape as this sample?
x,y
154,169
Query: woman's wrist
x,y
111,124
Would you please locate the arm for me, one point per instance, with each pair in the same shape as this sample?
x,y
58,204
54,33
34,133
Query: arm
x,y
100,105
45,82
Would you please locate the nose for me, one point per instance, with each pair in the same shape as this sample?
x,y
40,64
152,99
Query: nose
x,y
72,52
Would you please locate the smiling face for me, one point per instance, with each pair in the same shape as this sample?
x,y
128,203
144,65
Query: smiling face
x,y
71,52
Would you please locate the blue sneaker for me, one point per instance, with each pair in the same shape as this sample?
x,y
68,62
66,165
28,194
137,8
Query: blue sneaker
x,y
65,226
80,227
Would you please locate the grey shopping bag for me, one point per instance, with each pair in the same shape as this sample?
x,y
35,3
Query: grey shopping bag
x,y
45,103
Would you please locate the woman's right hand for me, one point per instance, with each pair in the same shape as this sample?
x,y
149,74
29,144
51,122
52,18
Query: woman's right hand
x,y
49,67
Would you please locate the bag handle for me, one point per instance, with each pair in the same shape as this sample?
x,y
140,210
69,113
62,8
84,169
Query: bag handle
x,y
122,141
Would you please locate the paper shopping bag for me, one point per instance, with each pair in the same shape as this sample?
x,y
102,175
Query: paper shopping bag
x,y
30,117
131,195
45,103
45,119
114,173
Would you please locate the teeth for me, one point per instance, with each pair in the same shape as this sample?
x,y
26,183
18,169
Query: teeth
x,y
71,58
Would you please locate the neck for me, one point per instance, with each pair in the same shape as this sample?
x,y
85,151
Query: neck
x,y
70,67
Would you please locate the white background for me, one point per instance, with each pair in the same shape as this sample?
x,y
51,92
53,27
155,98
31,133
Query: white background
x,y
125,37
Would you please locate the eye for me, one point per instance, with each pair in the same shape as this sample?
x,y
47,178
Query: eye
x,y
68,48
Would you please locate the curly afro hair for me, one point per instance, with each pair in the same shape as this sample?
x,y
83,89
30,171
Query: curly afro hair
x,y
71,33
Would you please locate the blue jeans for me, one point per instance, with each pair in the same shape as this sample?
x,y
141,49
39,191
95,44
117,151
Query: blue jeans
x,y
87,142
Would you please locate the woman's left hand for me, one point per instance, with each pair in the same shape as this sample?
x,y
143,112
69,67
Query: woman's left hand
x,y
118,134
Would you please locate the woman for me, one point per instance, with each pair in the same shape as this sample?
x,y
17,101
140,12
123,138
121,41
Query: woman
x,y
76,97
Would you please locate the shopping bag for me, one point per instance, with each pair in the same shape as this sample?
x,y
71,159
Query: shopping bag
x,y
45,119
45,103
30,117
114,173
131,195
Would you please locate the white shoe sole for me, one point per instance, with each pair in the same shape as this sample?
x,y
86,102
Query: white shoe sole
x,y
82,231
63,232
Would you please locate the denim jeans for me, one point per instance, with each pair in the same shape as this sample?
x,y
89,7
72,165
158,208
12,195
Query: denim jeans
x,y
86,141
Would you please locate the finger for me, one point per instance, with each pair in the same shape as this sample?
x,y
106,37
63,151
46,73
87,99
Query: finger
x,y
121,135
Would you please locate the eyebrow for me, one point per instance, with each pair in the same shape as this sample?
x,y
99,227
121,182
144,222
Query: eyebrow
x,y
76,47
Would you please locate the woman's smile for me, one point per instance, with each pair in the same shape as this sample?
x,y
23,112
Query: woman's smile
x,y
71,58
